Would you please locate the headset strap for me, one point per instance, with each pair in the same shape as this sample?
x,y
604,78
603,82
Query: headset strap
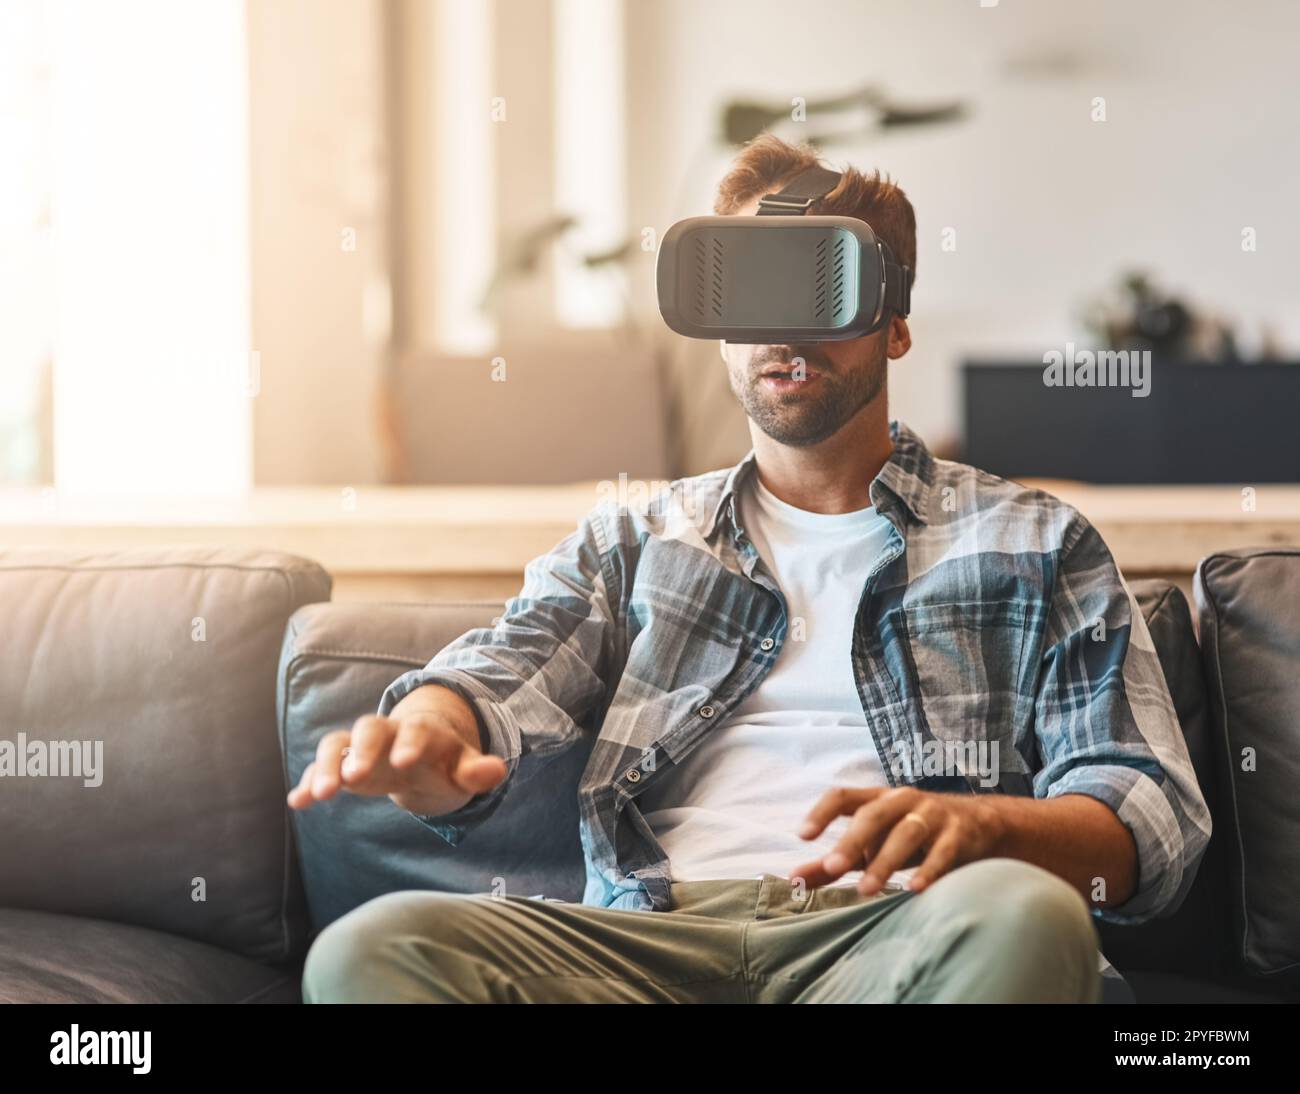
x,y
805,188
898,283
815,183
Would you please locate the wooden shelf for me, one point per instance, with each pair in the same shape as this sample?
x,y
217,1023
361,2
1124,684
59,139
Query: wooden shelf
x,y
435,541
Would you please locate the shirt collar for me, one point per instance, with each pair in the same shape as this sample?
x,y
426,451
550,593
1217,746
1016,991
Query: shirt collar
x,y
905,478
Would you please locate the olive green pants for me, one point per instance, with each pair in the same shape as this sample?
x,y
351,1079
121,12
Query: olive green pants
x,y
993,931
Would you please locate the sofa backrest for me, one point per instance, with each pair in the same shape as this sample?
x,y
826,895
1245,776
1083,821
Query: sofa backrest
x,y
1191,941
1249,609
336,662
153,674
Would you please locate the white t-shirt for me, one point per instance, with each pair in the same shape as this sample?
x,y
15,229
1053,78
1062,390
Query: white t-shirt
x,y
733,807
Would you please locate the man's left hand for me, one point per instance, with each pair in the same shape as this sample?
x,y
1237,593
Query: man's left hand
x,y
897,827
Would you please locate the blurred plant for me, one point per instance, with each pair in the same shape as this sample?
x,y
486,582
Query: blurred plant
x,y
1138,315
743,120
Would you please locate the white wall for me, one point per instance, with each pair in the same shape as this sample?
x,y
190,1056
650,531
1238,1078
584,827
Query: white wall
x,y
1200,141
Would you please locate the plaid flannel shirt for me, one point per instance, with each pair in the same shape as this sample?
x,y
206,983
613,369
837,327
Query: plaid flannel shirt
x,y
995,614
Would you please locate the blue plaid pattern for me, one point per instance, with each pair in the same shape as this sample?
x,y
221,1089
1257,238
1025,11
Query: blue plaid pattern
x,y
995,619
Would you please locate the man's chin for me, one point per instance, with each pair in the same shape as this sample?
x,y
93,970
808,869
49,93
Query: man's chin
x,y
793,433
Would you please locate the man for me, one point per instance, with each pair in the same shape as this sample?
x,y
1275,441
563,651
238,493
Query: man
x,y
868,725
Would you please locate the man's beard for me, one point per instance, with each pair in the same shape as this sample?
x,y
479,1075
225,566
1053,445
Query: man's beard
x,y
804,418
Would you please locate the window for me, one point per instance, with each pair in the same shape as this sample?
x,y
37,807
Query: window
x,y
128,219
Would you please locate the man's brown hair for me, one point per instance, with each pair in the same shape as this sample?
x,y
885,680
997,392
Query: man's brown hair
x,y
767,163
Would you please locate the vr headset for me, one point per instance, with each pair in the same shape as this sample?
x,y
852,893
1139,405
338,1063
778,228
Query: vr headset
x,y
780,276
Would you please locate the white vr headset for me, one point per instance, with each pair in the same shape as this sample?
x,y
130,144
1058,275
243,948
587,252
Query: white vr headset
x,y
780,276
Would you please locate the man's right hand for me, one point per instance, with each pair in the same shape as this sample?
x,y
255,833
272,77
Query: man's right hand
x,y
421,757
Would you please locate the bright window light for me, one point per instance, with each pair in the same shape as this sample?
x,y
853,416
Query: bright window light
x,y
153,367
590,164
465,209
26,289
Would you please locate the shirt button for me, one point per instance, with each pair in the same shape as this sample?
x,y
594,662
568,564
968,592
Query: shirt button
x,y
767,644
706,711
633,775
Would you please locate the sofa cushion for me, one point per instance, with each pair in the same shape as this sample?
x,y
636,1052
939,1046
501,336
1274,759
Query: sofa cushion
x,y
162,662
1166,987
49,958
1189,942
1249,607
336,662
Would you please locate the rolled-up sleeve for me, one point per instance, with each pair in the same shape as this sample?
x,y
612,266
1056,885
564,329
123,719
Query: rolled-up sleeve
x,y
1106,727
535,677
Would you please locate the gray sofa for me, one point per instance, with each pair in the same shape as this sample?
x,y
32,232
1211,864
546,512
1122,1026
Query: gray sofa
x,y
205,678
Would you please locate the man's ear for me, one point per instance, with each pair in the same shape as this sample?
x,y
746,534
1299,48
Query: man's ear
x,y
900,338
